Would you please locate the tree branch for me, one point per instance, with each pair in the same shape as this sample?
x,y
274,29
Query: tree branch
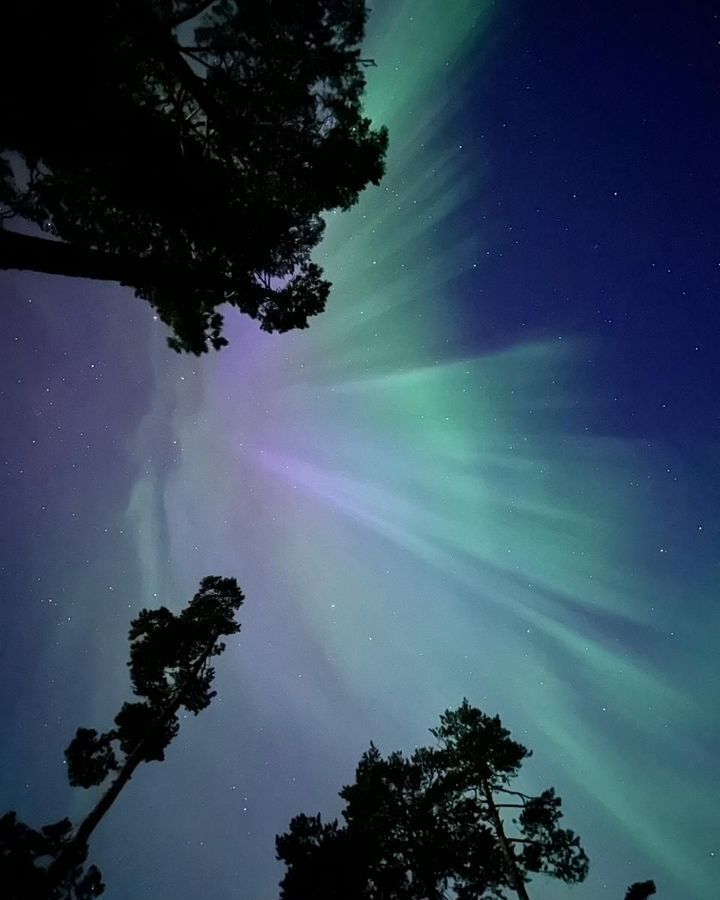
x,y
516,875
51,257
514,793
167,52
186,51
190,13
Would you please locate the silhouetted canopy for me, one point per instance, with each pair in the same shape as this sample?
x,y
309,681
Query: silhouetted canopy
x,y
185,149
640,890
22,875
432,825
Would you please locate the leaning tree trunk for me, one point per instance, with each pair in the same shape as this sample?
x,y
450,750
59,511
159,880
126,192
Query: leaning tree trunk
x,y
515,874
74,850
37,254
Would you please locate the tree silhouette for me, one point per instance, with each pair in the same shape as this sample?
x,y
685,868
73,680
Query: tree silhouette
x,y
433,825
170,670
640,890
23,850
185,149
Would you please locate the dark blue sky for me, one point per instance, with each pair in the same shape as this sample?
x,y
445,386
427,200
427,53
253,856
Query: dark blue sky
x,y
602,128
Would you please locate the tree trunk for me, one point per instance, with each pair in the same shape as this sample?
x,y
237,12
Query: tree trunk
x,y
36,254
507,850
68,857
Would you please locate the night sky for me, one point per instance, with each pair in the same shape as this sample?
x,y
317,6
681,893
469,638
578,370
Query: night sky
x,y
488,470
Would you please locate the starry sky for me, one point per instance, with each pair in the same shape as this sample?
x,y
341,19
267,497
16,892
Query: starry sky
x,y
488,470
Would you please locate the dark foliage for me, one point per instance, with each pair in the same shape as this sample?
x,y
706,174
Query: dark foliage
x,y
187,150
426,826
323,860
139,722
640,890
23,852
553,850
169,670
90,758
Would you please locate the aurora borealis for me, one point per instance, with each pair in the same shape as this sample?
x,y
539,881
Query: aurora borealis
x,y
488,470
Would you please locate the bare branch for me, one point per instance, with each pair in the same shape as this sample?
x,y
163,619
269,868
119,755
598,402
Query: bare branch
x,y
514,793
186,51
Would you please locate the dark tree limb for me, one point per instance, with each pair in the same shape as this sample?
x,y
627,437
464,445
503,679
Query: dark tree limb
x,y
37,254
514,793
190,13
150,32
515,874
